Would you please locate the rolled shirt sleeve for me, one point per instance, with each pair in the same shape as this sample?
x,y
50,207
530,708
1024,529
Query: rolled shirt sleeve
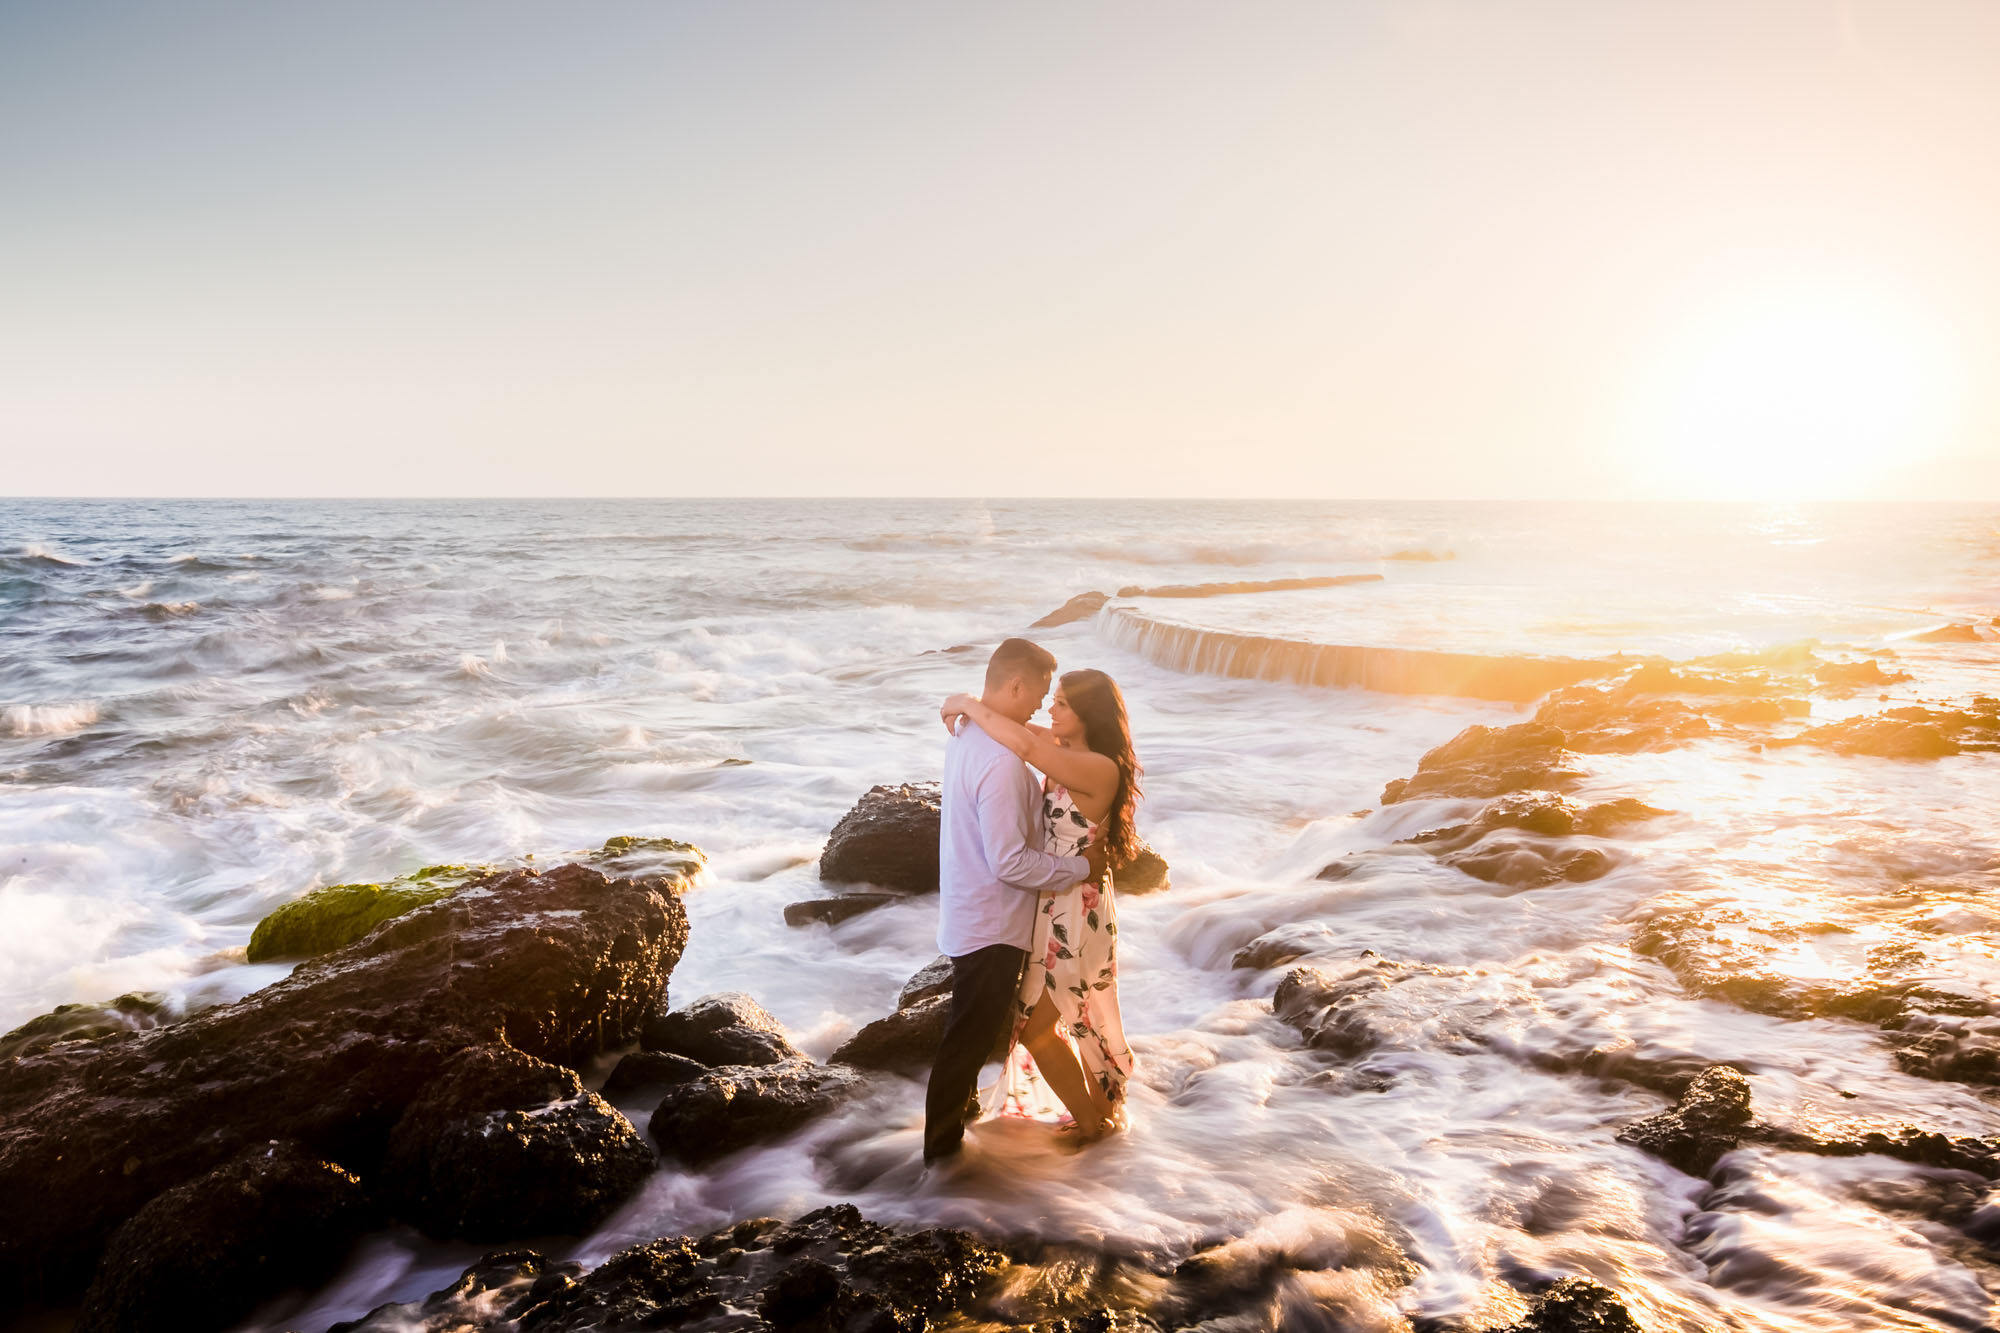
x,y
1010,826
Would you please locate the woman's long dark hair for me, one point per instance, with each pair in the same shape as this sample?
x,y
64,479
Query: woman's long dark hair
x,y
1094,698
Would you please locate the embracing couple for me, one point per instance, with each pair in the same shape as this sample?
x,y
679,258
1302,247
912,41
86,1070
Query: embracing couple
x,y
1026,912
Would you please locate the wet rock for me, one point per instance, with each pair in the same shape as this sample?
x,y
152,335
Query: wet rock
x,y
204,1254
340,914
830,1270
1335,871
642,1072
1916,732
933,978
1484,761
132,1012
1327,1007
501,1144
1959,633
557,965
906,1039
833,910
1612,721
1906,1143
1576,1305
1865,674
1144,873
889,838
1080,607
1521,865
1708,1122
735,1106
1285,944
727,1028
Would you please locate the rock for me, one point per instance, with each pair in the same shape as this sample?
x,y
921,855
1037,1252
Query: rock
x,y
133,1012
1708,1122
1865,674
1080,607
501,1144
906,1039
1328,1007
1144,873
340,914
1576,1305
889,838
830,1270
1960,633
1521,865
727,1028
204,1254
1484,761
642,1072
557,965
735,1106
1285,944
933,978
834,910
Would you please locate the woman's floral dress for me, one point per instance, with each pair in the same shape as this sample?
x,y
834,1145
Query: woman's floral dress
x,y
1074,959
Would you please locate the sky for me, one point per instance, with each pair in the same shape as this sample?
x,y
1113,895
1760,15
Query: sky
x,y
1588,250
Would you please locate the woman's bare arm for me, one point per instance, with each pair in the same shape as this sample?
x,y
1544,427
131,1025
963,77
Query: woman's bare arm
x,y
1090,776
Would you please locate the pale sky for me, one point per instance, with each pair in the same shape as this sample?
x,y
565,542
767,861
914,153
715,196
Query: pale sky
x,y
1354,250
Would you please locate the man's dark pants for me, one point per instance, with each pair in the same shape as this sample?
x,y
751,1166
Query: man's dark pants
x,y
982,994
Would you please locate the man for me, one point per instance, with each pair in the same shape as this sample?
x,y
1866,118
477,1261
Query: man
x,y
991,866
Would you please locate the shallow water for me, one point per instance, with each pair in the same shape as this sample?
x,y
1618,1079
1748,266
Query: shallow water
x,y
208,708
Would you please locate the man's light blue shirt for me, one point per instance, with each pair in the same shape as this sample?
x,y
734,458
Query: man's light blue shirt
x,y
991,864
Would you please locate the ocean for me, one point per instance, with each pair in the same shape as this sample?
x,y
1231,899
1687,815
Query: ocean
x,y
208,708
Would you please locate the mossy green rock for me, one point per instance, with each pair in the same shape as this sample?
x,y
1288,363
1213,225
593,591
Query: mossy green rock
x,y
339,914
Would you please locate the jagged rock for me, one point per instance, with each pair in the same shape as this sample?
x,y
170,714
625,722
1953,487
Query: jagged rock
x,y
558,965
889,838
133,1012
933,978
1080,607
1708,1122
727,1028
1915,732
649,1071
833,910
1145,873
732,1107
830,1270
1865,674
1547,813
501,1144
1576,1305
1484,761
905,1039
203,1254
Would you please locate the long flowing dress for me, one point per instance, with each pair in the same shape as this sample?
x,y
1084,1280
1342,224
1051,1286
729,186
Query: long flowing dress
x,y
1074,959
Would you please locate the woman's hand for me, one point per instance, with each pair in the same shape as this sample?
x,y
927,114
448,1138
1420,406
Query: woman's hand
x,y
956,707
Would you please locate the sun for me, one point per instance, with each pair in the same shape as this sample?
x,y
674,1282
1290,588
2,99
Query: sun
x,y
1793,398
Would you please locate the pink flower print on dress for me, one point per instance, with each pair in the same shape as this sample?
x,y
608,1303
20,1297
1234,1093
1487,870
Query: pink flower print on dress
x,y
1091,894
1049,962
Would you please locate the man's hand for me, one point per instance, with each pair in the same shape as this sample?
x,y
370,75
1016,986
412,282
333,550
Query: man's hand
x,y
1099,862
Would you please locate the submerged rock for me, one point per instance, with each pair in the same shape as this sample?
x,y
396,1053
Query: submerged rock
x,y
1328,1007
132,1012
340,914
737,1105
889,838
1524,865
501,1144
832,911
727,1028
557,965
831,1269
1708,1121
1915,732
1080,607
203,1254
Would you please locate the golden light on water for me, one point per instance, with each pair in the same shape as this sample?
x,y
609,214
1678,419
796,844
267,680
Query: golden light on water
x,y
1794,398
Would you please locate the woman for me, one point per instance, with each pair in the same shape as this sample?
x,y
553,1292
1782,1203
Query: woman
x,y
1066,1010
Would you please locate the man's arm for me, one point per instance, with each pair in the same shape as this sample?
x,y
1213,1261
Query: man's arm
x,y
1011,829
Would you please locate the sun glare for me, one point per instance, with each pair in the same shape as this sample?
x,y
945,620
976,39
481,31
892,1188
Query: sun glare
x,y
1791,400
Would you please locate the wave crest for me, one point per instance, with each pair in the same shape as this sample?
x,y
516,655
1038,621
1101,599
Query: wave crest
x,y
47,719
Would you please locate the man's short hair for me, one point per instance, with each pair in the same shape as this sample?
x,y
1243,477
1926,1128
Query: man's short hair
x,y
1019,659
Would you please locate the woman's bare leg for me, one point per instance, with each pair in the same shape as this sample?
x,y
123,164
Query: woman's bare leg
x,y
1060,1067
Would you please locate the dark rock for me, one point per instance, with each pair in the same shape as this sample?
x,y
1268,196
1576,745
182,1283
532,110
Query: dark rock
x,y
501,1144
1328,1007
649,1071
1708,1122
933,978
906,1039
727,1028
1484,761
1576,1305
1080,607
735,1106
832,910
1285,944
134,1012
1144,873
830,1270
1520,865
1337,870
1865,674
558,965
204,1254
890,838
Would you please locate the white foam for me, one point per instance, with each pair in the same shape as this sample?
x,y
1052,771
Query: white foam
x,y
47,719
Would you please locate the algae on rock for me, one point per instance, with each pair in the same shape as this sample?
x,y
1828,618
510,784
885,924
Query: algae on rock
x,y
340,914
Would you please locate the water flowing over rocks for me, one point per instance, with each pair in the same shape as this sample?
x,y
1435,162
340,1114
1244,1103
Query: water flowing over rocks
x,y
555,965
134,1012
